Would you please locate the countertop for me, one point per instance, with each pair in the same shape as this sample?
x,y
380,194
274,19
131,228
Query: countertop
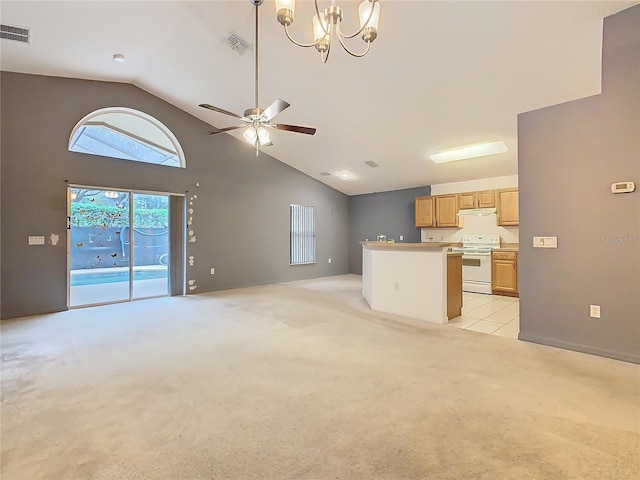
x,y
508,247
403,245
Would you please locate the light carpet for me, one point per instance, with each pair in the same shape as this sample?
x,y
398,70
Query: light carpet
x,y
302,381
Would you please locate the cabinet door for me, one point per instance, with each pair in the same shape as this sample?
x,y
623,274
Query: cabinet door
x,y
486,199
424,212
507,203
467,200
504,275
447,211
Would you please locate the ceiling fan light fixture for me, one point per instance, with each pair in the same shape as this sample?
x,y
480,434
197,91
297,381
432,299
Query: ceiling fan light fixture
x,y
250,135
263,136
469,151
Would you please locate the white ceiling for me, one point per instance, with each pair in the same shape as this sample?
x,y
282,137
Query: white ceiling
x,y
440,75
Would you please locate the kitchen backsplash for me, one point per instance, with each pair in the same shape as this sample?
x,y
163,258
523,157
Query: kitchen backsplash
x,y
473,225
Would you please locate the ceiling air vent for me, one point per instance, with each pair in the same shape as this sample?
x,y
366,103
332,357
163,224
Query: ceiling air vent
x,y
372,164
18,34
237,43
325,174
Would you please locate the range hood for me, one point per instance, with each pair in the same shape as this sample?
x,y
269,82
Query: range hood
x,y
477,211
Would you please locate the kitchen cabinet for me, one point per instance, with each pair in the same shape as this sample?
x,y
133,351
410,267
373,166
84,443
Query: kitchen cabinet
x,y
504,273
446,211
467,200
424,209
483,199
486,199
507,206
454,285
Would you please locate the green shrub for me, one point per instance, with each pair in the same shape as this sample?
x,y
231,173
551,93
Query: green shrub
x,y
89,215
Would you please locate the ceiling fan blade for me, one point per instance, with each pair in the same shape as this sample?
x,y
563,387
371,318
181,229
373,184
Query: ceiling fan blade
x,y
221,130
219,110
275,108
296,128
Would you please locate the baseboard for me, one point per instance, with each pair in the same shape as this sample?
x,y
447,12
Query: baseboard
x,y
576,347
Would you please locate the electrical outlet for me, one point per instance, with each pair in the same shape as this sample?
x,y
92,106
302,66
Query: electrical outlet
x,y
396,286
594,311
213,271
329,260
401,237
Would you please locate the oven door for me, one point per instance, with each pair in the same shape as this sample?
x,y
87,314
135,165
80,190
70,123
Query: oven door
x,y
476,271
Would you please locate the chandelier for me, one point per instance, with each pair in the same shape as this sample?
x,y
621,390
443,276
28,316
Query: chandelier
x,y
326,25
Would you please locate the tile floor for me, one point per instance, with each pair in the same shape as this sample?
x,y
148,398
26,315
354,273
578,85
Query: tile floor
x,y
492,314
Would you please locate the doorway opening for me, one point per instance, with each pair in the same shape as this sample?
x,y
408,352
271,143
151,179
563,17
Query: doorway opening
x,y
123,245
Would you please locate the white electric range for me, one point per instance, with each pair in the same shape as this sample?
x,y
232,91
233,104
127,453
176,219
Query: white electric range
x,y
476,261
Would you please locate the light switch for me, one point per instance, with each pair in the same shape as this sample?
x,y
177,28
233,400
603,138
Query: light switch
x,y
36,239
545,242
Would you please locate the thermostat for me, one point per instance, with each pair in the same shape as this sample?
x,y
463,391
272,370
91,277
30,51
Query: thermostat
x,y
623,187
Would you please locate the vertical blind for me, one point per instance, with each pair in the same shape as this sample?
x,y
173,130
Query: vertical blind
x,y
303,234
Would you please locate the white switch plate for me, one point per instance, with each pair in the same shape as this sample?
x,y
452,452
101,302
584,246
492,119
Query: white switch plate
x,y
213,271
329,260
594,311
36,239
545,242
401,237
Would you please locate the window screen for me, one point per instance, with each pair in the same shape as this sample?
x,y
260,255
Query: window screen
x,y
303,235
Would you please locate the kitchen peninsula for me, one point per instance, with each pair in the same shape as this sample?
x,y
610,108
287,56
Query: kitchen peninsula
x,y
416,280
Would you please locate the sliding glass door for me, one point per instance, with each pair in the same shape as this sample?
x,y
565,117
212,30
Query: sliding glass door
x,y
118,246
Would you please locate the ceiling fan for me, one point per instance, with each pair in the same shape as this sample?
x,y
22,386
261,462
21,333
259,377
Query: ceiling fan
x,y
256,120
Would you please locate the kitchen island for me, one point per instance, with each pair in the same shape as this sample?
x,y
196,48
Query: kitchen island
x,y
415,280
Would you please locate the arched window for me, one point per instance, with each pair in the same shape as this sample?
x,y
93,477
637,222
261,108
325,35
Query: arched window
x,y
127,134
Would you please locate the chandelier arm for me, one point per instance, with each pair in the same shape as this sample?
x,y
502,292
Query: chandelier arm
x,y
358,55
325,56
306,45
366,24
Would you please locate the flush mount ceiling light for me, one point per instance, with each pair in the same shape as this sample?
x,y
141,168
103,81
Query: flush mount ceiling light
x,y
345,176
326,25
469,151
118,57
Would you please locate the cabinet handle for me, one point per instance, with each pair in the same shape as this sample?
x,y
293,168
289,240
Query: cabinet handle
x,y
514,265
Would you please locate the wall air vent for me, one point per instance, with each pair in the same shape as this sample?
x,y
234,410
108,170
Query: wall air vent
x,y
19,34
372,164
237,43
325,174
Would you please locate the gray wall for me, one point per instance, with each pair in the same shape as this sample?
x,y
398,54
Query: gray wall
x,y
386,213
241,217
569,155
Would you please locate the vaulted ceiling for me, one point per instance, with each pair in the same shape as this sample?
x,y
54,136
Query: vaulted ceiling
x,y
439,75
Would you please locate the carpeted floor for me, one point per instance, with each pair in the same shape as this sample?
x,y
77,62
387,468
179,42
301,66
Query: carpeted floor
x,y
302,381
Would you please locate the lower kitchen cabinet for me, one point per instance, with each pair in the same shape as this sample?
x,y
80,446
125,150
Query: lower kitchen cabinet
x,y
454,285
504,273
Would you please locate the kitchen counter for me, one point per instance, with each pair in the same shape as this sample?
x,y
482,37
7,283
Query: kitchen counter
x,y
402,245
411,279
509,247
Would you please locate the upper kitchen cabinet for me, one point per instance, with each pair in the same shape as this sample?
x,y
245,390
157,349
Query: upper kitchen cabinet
x,y
507,206
483,199
446,211
424,212
486,199
467,200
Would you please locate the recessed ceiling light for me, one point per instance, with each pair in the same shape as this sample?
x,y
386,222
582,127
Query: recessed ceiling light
x,y
469,151
118,57
345,175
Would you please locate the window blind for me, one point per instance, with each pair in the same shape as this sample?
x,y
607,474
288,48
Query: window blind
x,y
303,235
